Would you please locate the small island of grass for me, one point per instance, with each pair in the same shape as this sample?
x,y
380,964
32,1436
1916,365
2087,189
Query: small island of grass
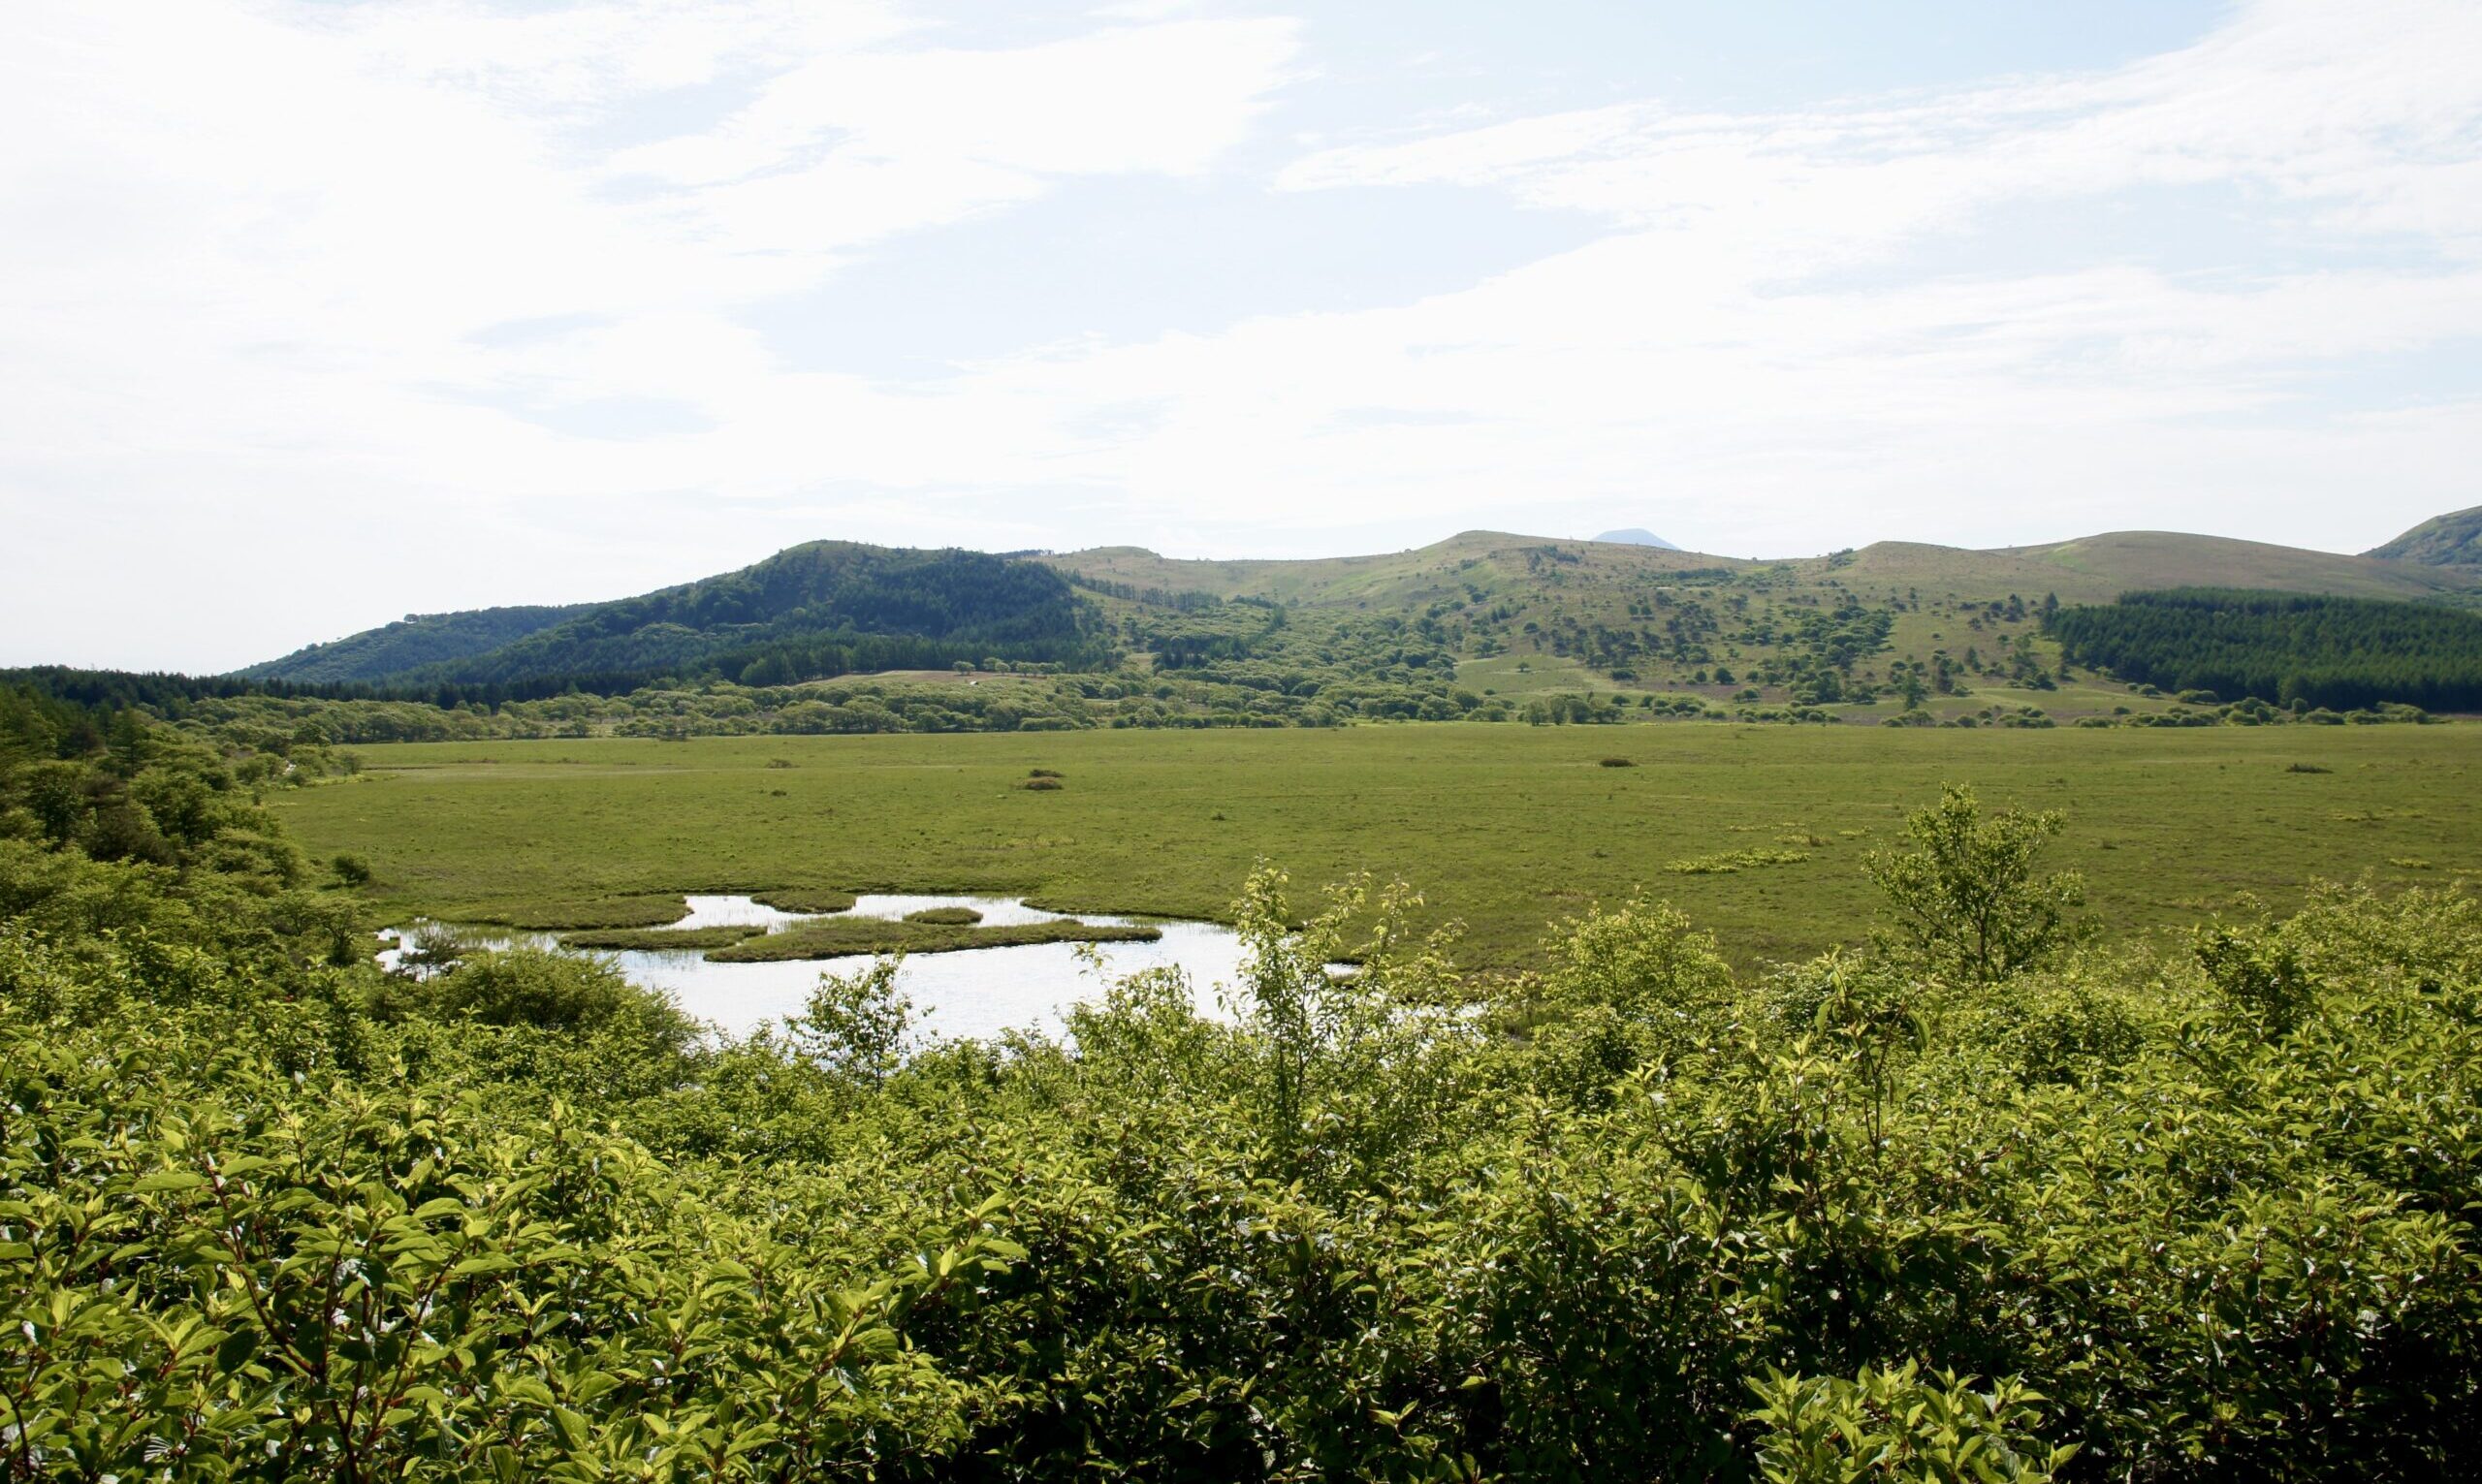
x,y
842,937
805,898
660,939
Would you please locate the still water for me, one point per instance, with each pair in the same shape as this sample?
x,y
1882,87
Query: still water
x,y
973,992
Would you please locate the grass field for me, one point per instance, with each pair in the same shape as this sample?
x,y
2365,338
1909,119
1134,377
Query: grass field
x,y
1505,826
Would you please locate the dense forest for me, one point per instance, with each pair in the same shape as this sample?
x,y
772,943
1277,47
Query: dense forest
x,y
2282,648
825,609
413,643
1968,1200
169,693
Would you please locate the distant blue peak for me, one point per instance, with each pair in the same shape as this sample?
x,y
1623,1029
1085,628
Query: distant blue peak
x,y
1637,536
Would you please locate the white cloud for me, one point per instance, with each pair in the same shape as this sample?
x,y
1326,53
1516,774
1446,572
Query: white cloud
x,y
437,304
2370,113
1141,99
252,270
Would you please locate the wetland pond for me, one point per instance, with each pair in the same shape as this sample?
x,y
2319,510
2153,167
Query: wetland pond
x,y
961,993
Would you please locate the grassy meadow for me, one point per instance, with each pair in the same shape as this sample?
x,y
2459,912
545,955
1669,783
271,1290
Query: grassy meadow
x,y
1758,833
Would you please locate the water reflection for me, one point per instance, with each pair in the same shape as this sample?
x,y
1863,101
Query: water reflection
x,y
974,993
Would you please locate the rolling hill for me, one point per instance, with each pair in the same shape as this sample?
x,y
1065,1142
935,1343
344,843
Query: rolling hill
x,y
1487,613
1519,614
2142,560
2092,569
413,643
2452,540
823,607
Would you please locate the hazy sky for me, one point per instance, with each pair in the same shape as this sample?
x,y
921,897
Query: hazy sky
x,y
316,314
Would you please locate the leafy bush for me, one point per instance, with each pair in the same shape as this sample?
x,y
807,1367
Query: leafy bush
x,y
2196,1210
1967,900
1891,1424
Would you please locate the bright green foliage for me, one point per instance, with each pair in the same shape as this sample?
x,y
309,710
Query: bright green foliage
x,y
1629,985
252,1282
856,1025
1893,1424
1344,1067
1966,901
1642,961
2191,1211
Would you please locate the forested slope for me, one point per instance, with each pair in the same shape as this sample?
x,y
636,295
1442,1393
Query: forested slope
x,y
823,609
2326,651
413,643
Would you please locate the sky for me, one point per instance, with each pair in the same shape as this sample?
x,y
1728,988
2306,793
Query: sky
x,y
313,315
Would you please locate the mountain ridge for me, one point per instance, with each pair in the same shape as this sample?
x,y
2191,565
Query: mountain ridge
x,y
905,606
2451,540
828,608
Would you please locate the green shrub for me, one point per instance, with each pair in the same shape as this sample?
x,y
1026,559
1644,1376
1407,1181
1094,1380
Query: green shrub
x,y
547,992
1891,1424
1967,899
2183,1212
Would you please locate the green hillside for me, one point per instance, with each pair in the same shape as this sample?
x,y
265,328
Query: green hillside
x,y
2443,541
416,641
1900,625
824,608
1485,624
2124,560
2093,568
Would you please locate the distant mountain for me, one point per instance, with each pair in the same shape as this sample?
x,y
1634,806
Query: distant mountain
x,y
1521,615
1637,535
1581,575
823,607
2442,541
1627,607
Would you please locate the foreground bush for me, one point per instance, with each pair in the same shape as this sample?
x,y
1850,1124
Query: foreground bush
x,y
2200,1211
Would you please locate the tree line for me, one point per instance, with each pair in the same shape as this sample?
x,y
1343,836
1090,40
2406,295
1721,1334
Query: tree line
x,y
2340,653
